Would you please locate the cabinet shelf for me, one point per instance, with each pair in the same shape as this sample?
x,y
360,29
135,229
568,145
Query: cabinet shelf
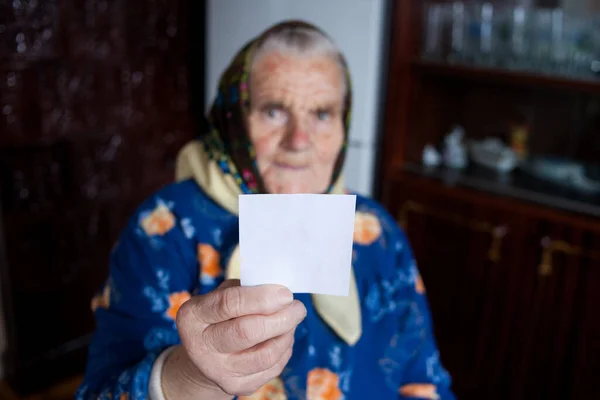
x,y
506,77
517,186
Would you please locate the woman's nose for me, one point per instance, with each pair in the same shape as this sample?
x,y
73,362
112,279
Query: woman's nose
x,y
297,137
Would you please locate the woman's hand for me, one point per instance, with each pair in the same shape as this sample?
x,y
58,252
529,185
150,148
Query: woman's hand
x,y
234,340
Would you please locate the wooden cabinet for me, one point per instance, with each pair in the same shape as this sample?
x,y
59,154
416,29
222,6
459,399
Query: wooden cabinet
x,y
510,290
511,266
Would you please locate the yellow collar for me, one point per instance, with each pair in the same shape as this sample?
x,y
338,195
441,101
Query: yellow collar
x,y
342,314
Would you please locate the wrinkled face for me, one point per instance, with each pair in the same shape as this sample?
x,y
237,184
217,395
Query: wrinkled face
x,y
295,121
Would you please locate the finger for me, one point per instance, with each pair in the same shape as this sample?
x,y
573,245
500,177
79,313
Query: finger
x,y
249,384
245,332
192,306
236,301
252,383
228,283
260,357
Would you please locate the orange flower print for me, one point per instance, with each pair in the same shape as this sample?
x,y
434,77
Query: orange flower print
x,y
273,390
419,391
160,221
323,385
210,263
124,396
367,228
101,300
176,300
419,285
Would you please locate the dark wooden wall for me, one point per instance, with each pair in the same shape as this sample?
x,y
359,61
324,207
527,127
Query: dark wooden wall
x,y
96,98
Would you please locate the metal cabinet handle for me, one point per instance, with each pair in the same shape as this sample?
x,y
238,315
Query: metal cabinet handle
x,y
551,246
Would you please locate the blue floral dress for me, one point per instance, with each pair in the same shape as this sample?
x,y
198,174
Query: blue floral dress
x,y
174,247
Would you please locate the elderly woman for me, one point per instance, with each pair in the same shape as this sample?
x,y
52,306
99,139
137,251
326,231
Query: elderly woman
x,y
172,320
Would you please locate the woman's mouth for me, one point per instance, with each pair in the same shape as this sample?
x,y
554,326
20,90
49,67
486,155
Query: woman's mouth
x,y
291,167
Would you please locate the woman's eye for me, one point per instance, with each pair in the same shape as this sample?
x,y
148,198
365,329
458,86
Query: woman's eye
x,y
274,113
323,115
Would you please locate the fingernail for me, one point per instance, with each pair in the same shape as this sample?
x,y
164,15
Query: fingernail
x,y
285,296
302,311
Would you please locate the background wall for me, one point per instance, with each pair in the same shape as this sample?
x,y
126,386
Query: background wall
x,y
359,27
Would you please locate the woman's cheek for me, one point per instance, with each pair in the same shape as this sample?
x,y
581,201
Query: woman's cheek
x,y
264,146
265,149
330,146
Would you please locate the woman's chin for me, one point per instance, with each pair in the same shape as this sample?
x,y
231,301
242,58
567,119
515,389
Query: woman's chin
x,y
290,187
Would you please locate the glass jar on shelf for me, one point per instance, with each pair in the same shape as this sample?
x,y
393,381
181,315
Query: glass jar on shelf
x,y
559,35
541,40
582,47
481,34
518,56
433,38
458,20
595,64
502,31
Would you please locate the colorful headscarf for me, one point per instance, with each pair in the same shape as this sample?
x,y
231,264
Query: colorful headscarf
x,y
228,141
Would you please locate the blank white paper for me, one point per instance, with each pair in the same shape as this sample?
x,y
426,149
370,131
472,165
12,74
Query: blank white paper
x,y
301,241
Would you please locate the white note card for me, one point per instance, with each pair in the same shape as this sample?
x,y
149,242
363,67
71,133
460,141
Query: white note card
x,y
301,241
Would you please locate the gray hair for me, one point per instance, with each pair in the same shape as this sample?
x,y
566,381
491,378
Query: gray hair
x,y
301,42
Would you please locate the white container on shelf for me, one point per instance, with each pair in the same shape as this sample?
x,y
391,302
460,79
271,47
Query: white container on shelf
x,y
493,154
